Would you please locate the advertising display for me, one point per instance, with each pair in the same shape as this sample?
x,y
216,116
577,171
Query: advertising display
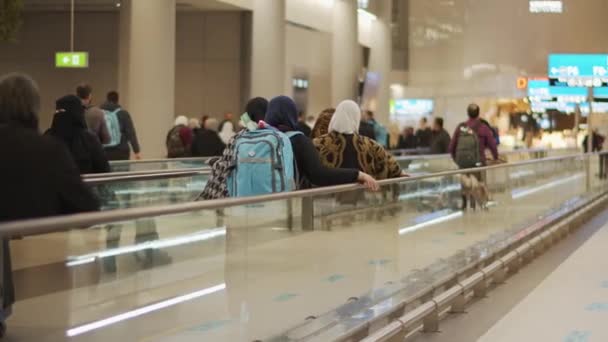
x,y
404,107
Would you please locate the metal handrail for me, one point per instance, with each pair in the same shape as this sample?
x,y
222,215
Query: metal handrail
x,y
203,159
67,222
92,176
141,177
170,171
160,160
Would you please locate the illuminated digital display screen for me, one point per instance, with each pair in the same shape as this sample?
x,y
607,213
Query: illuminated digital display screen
x,y
544,96
412,107
541,89
546,6
578,70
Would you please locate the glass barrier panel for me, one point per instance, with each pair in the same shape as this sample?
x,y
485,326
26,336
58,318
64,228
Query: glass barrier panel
x,y
257,271
142,193
166,164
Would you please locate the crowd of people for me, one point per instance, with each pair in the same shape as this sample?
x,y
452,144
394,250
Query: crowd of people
x,y
345,145
271,149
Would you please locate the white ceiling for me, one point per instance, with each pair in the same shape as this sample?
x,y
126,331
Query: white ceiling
x,y
110,5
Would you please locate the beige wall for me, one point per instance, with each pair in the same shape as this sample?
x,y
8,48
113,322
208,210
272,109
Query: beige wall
x,y
208,64
43,34
309,52
208,70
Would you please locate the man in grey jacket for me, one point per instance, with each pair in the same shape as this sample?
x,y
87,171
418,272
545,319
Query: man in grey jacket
x,y
128,135
94,116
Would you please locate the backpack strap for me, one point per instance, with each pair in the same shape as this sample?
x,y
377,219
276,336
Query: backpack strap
x,y
292,134
296,171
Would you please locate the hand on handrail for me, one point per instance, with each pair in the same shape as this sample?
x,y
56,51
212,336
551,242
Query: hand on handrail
x,y
368,181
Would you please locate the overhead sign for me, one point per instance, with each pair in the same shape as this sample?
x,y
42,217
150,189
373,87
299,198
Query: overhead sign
x,y
71,59
540,89
544,96
522,83
578,70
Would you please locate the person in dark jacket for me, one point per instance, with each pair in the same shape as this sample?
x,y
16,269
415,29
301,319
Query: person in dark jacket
x,y
128,135
302,126
38,177
207,142
94,116
423,134
407,140
282,114
367,130
69,126
597,144
440,140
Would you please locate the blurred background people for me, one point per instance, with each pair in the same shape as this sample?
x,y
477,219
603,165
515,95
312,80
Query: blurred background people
x,y
407,139
207,142
123,136
302,126
440,138
69,127
423,134
227,128
380,132
194,124
179,139
94,116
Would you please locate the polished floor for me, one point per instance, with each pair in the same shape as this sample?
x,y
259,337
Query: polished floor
x,y
238,282
570,305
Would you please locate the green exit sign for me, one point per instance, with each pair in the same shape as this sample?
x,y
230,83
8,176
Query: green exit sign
x,y
71,59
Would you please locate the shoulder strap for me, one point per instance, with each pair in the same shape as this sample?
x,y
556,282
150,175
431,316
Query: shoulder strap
x,y
292,134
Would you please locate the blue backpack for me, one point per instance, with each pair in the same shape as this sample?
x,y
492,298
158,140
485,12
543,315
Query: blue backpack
x,y
263,163
113,128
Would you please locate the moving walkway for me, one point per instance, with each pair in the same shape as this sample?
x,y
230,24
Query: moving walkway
x,y
169,181
271,268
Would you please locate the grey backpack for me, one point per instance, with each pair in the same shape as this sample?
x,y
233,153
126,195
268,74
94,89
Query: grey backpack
x,y
467,149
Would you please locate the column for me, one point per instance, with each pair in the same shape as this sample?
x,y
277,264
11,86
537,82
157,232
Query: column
x,y
268,48
147,71
123,50
381,58
345,47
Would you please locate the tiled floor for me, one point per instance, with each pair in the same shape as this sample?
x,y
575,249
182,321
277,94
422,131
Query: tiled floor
x,y
570,305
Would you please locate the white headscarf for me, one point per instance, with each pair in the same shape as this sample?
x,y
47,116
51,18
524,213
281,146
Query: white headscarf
x,y
227,132
181,121
346,119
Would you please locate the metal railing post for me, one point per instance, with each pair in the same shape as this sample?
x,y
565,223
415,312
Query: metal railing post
x,y
308,215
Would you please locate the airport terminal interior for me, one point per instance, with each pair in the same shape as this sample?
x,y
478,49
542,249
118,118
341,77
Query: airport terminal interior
x,y
304,170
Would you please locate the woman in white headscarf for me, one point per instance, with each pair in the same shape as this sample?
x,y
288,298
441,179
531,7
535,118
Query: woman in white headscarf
x,y
343,147
179,139
226,131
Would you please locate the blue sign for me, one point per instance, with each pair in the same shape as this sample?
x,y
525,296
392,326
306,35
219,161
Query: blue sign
x,y
540,89
574,66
